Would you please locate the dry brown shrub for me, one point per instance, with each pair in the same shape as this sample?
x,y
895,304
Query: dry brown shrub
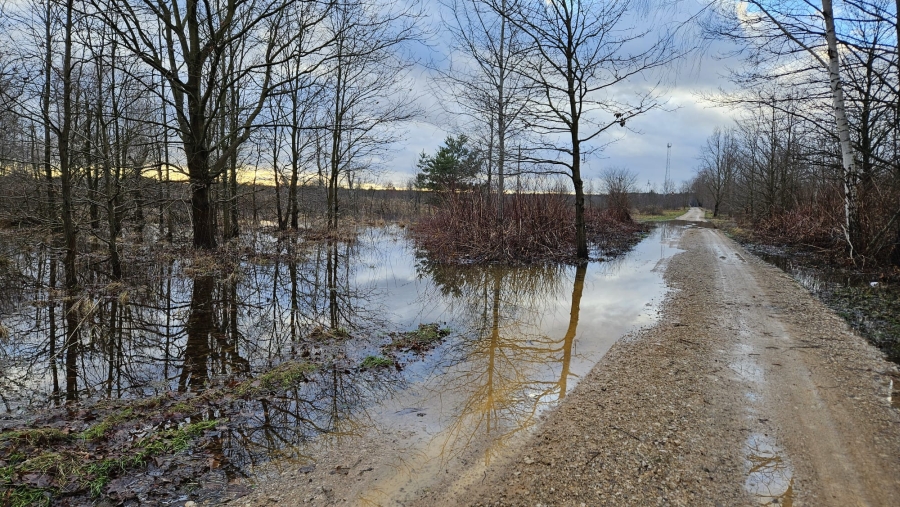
x,y
535,227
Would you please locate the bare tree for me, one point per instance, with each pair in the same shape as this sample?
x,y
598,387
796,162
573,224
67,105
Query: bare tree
x,y
803,41
583,52
188,43
363,100
489,83
618,183
718,158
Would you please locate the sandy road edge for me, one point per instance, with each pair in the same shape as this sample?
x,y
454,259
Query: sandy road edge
x,y
662,419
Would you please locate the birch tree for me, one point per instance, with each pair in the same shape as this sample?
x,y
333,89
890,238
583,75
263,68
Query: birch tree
x,y
800,38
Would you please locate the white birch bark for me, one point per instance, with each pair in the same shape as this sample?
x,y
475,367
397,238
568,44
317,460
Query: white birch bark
x,y
848,164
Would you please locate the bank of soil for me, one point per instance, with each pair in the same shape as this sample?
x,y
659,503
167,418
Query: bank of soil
x,y
748,391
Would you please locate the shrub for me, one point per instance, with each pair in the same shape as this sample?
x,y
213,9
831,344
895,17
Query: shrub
x,y
535,227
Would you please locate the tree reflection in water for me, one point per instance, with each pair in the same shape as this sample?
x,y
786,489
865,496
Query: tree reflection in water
x,y
506,369
187,325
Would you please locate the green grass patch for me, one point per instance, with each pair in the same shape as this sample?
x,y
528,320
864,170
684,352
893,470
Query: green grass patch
x,y
36,480
37,436
279,378
371,362
102,428
659,216
423,338
24,497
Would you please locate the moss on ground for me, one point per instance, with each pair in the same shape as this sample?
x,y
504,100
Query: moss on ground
x,y
282,377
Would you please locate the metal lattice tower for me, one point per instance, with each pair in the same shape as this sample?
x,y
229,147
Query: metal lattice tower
x,y
666,188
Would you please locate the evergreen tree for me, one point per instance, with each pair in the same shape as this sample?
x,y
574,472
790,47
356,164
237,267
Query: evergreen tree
x,y
454,166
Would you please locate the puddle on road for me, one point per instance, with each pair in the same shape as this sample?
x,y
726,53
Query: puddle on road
x,y
522,338
770,478
745,366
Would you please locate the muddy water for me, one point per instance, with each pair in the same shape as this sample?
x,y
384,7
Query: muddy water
x,y
521,338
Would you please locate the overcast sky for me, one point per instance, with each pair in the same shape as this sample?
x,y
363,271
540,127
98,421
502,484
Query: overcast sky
x,y
686,125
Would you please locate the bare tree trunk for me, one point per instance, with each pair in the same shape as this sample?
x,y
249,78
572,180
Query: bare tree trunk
x,y
895,254
45,113
852,232
333,179
235,229
490,154
581,249
92,175
111,188
295,161
70,237
501,118
282,219
111,177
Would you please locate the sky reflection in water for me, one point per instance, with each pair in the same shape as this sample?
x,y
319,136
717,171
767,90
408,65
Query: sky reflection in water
x,y
521,339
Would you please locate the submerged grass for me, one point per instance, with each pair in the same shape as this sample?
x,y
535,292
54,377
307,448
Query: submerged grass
x,y
423,338
39,465
371,362
279,378
873,311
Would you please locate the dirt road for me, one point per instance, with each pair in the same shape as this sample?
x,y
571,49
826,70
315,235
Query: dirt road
x,y
748,391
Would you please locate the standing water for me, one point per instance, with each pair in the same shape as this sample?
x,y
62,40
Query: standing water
x,y
520,339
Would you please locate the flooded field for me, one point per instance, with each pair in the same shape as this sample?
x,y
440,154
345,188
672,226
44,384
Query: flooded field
x,y
505,344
